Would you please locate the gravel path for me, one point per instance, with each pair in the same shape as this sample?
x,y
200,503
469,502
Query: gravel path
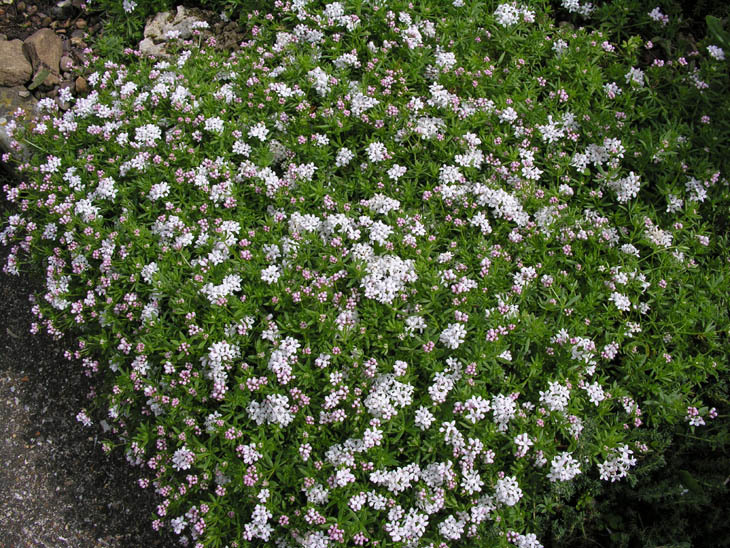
x,y
57,488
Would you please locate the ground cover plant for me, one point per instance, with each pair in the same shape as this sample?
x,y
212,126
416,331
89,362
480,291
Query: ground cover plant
x,y
386,275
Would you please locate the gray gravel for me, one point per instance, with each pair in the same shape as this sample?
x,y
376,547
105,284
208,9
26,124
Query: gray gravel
x,y
57,488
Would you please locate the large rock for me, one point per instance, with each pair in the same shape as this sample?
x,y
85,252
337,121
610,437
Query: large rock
x,y
162,23
15,69
44,49
148,47
181,24
11,99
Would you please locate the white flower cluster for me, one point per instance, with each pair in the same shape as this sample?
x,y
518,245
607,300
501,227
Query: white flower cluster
x,y
344,157
502,204
387,276
427,127
503,409
716,52
526,541
320,80
346,60
147,135
380,232
318,494
556,397
381,204
258,131
217,294
625,187
387,396
159,190
424,418
453,336
574,6
282,358
214,125
621,301
405,527
510,14
398,480
657,15
274,410
635,76
271,274
656,235
451,528
183,459
445,59
617,465
361,103
563,468
444,381
148,271
476,409
377,152
220,355
595,393
259,526
507,491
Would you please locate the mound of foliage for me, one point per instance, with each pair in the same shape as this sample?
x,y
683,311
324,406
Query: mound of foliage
x,y
385,275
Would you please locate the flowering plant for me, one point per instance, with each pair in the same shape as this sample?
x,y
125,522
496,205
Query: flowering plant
x,y
385,275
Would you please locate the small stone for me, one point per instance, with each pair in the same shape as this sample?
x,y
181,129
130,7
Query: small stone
x,y
62,9
21,6
11,99
81,85
81,24
66,63
77,42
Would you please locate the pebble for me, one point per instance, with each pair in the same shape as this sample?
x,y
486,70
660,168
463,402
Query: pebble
x,y
81,85
80,24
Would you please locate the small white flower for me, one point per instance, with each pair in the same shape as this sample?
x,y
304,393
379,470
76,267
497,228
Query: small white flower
x,y
258,131
183,459
377,152
270,274
636,76
453,336
507,491
716,52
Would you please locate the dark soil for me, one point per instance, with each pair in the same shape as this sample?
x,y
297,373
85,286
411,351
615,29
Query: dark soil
x,y
22,18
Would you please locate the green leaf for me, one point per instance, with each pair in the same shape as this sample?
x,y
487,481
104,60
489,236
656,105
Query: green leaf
x,y
690,483
39,78
714,28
